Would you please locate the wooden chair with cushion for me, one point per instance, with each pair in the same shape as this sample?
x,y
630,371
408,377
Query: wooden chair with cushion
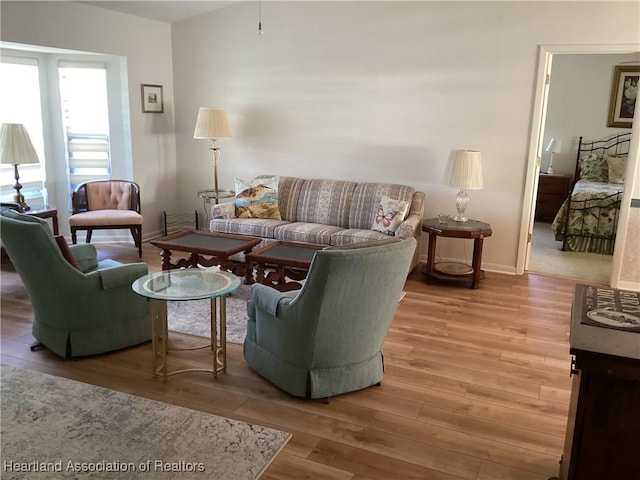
x,y
106,205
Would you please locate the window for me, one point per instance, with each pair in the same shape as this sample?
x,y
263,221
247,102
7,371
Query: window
x,y
20,100
85,120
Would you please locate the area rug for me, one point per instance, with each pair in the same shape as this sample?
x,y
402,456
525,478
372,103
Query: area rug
x,y
193,317
58,428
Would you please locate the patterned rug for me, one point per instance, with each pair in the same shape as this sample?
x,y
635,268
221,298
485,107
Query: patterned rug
x,y
193,317
58,428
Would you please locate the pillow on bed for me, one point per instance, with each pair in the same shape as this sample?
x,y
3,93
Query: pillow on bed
x,y
617,169
595,168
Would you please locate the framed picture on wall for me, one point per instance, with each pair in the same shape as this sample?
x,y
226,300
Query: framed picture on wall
x,y
152,101
624,91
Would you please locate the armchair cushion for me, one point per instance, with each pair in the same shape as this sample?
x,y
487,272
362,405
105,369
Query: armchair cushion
x,y
106,217
85,255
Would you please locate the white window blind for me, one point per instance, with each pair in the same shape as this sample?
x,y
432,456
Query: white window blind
x,y
85,119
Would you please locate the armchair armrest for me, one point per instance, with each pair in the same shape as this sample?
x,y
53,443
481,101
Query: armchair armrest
x,y
120,275
86,256
268,299
223,210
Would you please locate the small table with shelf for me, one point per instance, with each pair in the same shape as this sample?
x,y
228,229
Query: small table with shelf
x,y
471,229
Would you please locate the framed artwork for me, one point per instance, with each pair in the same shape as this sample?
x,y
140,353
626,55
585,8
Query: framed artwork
x,y
624,91
152,101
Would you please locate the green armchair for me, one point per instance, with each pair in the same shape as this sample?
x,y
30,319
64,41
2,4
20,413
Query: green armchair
x,y
327,339
78,312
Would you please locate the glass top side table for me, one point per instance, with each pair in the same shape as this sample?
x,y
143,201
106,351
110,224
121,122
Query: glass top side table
x,y
213,194
186,285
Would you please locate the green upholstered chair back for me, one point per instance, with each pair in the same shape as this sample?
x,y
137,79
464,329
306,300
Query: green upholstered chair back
x,y
328,338
76,313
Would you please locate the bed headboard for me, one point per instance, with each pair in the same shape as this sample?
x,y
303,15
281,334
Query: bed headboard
x,y
615,145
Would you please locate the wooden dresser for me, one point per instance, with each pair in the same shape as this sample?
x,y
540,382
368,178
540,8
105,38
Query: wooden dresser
x,y
603,428
552,191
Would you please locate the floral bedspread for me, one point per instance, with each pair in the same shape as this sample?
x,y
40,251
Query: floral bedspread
x,y
593,219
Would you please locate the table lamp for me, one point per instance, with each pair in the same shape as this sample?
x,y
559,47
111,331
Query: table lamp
x,y
554,146
16,149
464,171
212,123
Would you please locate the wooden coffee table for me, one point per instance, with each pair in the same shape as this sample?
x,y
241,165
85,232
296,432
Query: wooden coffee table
x,y
206,248
280,261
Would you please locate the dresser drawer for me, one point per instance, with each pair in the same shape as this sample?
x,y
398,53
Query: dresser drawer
x,y
552,191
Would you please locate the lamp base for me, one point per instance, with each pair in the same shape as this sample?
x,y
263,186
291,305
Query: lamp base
x,y
462,201
460,218
550,170
19,200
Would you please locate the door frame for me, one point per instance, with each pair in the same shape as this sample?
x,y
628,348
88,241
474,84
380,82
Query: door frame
x,y
545,59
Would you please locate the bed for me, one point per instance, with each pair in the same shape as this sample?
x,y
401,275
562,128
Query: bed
x,y
588,219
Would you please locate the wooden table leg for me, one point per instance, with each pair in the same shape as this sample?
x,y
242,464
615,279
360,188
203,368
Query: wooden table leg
x,y
166,259
431,257
477,262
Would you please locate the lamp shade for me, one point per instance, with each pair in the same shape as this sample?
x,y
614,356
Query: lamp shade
x,y
464,170
15,145
212,123
554,146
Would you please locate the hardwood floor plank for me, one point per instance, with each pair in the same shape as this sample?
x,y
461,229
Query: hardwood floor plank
x,y
476,383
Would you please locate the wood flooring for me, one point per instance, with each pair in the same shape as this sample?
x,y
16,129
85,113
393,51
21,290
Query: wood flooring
x,y
476,384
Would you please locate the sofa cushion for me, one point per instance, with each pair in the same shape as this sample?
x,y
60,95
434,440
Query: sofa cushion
x,y
257,198
355,235
325,202
288,195
306,232
366,198
254,227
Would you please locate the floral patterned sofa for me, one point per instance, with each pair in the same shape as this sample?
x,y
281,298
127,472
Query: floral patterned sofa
x,y
327,212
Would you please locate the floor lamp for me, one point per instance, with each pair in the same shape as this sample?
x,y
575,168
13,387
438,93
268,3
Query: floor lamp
x,y
212,123
464,171
16,149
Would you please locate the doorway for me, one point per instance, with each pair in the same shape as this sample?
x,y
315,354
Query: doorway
x,y
560,112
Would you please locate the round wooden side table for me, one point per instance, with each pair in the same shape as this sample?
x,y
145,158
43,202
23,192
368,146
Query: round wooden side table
x,y
451,271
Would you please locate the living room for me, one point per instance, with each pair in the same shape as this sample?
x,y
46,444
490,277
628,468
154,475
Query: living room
x,y
367,91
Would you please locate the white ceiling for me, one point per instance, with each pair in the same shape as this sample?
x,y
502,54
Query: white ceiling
x,y
164,11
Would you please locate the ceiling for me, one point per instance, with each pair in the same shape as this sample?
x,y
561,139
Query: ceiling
x,y
163,11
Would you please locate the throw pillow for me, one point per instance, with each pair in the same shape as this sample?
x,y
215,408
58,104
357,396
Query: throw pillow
x,y
595,168
257,198
389,215
617,169
66,251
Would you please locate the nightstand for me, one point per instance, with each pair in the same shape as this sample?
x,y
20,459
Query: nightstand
x,y
553,189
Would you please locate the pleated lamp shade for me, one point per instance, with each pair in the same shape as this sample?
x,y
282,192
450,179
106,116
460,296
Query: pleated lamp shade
x,y
464,170
212,123
15,145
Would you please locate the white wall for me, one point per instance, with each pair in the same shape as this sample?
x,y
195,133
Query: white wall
x,y
380,91
147,46
371,91
579,104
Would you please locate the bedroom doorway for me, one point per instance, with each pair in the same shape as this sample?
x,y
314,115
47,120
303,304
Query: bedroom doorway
x,y
539,251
